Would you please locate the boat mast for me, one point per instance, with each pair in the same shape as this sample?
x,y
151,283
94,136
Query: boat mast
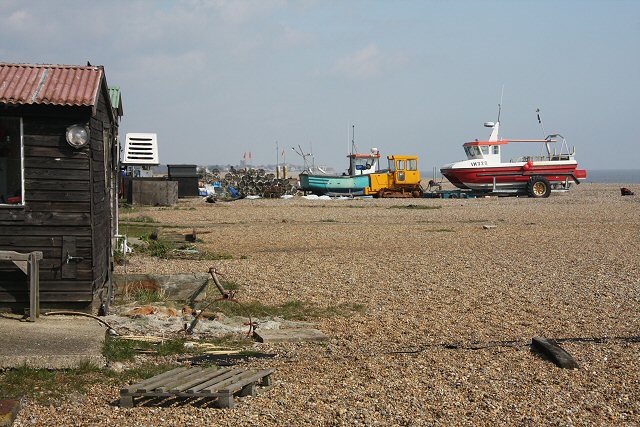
x,y
353,139
544,135
496,126
500,105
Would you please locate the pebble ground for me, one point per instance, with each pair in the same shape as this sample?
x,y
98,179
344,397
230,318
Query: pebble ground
x,y
563,267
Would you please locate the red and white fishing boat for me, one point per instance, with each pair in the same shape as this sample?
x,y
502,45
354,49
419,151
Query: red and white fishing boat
x,y
484,171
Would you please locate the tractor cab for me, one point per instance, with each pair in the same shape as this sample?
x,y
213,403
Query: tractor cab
x,y
404,169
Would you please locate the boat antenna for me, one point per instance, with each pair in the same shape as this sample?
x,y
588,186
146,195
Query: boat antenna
x,y
500,104
544,135
353,139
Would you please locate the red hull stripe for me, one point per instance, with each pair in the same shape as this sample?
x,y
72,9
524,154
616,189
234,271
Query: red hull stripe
x,y
511,174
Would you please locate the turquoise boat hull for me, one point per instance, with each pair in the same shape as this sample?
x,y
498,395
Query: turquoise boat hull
x,y
325,184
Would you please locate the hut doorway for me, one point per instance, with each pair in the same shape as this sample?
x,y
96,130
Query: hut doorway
x,y
11,179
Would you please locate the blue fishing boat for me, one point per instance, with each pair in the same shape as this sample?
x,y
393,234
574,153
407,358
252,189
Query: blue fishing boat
x,y
353,182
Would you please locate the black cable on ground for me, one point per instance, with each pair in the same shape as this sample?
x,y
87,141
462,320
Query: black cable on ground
x,y
480,345
79,313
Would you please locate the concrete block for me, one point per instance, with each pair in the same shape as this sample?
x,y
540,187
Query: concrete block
x,y
176,287
54,342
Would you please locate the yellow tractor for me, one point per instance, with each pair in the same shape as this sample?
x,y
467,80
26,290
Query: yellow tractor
x,y
402,179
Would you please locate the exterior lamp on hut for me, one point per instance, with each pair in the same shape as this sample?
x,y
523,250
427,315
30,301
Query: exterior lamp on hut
x,y
77,136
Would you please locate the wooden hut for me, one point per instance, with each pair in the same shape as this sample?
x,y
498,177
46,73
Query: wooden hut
x,y
58,162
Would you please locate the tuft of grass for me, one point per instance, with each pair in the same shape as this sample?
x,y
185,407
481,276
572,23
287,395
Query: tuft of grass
x,y
211,256
170,347
53,386
167,249
47,386
414,207
24,380
139,230
159,248
142,218
227,284
87,367
441,230
148,296
328,220
117,350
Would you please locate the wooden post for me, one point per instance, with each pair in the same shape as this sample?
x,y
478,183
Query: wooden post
x,y
248,390
33,288
225,400
266,380
126,401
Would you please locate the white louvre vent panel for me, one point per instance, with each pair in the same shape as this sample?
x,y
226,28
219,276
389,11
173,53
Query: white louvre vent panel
x,y
141,149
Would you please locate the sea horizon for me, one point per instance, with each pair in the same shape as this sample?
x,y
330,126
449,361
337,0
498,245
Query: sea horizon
x,y
617,176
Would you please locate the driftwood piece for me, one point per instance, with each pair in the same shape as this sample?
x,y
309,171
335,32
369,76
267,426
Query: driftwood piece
x,y
552,351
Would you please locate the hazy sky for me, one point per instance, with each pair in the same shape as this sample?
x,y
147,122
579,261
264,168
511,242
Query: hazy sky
x,y
215,79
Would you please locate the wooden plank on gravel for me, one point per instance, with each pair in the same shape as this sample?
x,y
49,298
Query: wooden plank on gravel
x,y
222,375
181,378
551,350
206,376
134,387
238,385
213,389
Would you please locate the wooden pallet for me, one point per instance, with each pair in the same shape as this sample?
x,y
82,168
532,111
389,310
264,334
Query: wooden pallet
x,y
214,383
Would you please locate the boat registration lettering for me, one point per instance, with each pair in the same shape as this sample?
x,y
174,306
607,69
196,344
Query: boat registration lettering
x,y
480,163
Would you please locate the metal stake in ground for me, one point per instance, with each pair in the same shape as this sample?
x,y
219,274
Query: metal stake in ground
x,y
226,296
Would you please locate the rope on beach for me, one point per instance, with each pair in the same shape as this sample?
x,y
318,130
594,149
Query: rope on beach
x,y
481,345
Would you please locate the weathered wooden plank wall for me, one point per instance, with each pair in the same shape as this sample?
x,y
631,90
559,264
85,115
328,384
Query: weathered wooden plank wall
x,y
66,202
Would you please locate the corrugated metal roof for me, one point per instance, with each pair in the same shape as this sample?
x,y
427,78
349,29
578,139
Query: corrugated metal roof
x,y
49,84
116,100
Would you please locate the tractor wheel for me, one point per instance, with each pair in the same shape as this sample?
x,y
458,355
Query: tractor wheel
x,y
539,187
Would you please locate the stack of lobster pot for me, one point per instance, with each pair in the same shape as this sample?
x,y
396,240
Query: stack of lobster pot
x,y
257,182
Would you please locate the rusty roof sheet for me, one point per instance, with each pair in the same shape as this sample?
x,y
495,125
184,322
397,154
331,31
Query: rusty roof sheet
x,y
50,84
